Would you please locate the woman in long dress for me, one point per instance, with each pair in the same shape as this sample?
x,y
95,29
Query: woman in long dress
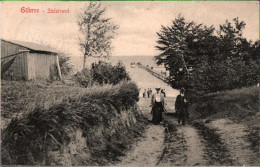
x,y
157,104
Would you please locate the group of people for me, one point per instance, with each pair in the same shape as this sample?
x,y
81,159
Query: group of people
x,y
157,104
149,92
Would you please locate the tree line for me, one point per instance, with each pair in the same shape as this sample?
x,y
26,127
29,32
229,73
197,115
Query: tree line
x,y
208,59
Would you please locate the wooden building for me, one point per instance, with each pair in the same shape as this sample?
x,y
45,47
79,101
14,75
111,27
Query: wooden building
x,y
28,61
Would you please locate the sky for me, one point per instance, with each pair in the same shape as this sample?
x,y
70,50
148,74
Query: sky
x,y
138,22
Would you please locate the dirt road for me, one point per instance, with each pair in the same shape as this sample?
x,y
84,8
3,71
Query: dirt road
x,y
217,142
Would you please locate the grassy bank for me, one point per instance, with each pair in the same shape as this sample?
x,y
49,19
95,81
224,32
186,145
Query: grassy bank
x,y
238,105
60,125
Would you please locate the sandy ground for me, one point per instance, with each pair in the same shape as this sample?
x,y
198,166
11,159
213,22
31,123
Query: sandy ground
x,y
146,151
184,146
194,146
233,135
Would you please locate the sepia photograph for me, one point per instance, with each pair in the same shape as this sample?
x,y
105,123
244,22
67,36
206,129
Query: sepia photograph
x,y
130,83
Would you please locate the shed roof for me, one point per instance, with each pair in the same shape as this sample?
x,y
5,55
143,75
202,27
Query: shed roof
x,y
32,46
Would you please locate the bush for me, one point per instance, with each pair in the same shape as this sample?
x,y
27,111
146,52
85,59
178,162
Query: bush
x,y
27,138
227,75
240,105
105,73
102,73
84,78
65,66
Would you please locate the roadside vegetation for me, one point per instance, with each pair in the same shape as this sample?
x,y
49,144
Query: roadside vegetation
x,y
102,73
92,120
65,66
95,114
238,105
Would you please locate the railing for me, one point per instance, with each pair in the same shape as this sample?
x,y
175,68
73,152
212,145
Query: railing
x,y
156,74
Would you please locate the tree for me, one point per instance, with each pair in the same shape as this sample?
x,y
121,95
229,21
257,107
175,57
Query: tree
x,y
96,31
183,44
234,64
222,61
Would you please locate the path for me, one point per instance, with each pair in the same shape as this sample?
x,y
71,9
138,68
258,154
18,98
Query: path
x,y
233,135
218,142
148,151
184,145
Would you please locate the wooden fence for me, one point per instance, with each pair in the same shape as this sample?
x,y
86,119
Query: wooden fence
x,y
154,73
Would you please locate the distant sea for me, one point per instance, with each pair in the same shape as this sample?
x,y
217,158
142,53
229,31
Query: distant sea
x,y
126,60
145,60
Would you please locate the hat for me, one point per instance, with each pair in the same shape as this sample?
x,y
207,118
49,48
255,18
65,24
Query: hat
x,y
157,87
182,90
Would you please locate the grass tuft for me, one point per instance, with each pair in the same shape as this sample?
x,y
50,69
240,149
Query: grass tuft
x,y
38,128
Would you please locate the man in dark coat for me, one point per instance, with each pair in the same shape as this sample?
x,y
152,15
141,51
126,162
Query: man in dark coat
x,y
180,107
163,92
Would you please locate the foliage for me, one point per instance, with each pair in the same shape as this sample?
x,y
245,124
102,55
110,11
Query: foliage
x,y
240,105
21,96
96,30
102,73
183,44
65,66
84,78
105,73
229,74
27,138
220,61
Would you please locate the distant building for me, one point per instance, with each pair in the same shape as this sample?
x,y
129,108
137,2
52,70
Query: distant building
x,y
28,61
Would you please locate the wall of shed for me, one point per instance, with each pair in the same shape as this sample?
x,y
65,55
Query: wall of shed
x,y
9,48
18,70
41,66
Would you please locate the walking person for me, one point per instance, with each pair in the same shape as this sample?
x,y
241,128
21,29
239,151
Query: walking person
x,y
148,93
180,106
157,103
144,94
163,92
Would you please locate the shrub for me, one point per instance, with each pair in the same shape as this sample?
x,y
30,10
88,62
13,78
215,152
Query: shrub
x,y
105,73
102,73
237,104
28,137
65,66
84,78
227,75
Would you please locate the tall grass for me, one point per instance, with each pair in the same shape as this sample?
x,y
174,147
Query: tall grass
x,y
237,104
28,136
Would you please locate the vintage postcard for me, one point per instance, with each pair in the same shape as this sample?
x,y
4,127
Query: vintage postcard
x,y
130,83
